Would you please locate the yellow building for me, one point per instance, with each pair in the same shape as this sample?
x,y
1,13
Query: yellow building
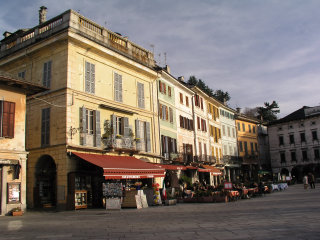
x,y
13,155
101,101
247,134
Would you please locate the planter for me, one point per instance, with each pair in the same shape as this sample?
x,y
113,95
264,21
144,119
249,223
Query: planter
x,y
17,213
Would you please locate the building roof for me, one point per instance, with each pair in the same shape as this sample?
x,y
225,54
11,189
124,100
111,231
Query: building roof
x,y
300,114
29,88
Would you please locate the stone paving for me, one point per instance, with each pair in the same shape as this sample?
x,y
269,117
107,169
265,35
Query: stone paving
x,y
290,214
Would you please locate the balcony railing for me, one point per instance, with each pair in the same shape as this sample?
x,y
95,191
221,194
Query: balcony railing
x,y
227,159
120,143
84,27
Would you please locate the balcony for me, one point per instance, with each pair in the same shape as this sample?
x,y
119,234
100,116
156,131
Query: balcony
x,y
76,24
227,159
120,144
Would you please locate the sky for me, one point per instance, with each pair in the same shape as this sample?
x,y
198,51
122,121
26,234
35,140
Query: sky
x,y
258,51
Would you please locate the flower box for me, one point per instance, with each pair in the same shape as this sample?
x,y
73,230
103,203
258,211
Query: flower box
x,y
17,213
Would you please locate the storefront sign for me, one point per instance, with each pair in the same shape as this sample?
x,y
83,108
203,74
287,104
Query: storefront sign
x,y
130,176
228,185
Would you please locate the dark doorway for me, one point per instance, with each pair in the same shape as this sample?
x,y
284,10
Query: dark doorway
x,y
45,183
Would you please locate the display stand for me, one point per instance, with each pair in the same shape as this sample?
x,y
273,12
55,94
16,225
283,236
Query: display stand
x,y
81,199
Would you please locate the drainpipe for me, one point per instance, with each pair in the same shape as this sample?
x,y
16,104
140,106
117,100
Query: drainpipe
x,y
194,129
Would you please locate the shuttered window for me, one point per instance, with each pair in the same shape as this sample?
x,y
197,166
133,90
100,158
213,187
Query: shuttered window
x,y
45,127
7,116
141,95
171,114
90,77
90,125
187,101
117,87
181,98
46,77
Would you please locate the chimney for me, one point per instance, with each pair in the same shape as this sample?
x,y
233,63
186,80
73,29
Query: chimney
x,y
42,14
167,69
181,78
225,101
238,110
7,34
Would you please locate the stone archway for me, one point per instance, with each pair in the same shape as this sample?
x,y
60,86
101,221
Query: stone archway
x,y
45,182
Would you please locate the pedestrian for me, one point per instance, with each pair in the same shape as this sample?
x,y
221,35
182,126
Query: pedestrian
x,y
305,182
311,181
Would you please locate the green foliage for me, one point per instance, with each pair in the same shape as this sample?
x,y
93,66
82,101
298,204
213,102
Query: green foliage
x,y
187,180
268,112
222,96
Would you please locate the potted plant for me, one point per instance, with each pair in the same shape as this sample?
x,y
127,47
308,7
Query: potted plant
x,y
17,211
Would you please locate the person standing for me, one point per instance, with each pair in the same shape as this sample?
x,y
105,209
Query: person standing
x,y
311,181
305,182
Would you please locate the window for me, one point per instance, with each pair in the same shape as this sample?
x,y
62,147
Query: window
x,y
7,117
243,127
117,87
225,149
252,150
22,74
143,134
223,130
171,114
201,102
181,98
186,123
239,129
316,153
228,131
46,77
187,101
203,125
283,157
45,127
314,135
141,95
291,138
256,147
162,87
233,133
249,128
200,149
304,155
313,123
90,78
90,127
281,142
246,147
293,157
303,137
198,123
90,121
169,145
196,101
169,91
253,129
163,111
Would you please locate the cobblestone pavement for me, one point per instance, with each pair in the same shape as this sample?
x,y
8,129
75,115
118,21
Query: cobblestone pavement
x,y
290,214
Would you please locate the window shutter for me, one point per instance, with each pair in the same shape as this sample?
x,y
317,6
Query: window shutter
x,y
201,103
83,126
45,126
87,77
120,87
164,88
49,74
167,114
137,126
160,110
45,74
163,144
126,126
8,110
181,121
160,86
114,125
148,137
171,115
98,129
92,78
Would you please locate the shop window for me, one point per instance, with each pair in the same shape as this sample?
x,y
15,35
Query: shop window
x,y
7,117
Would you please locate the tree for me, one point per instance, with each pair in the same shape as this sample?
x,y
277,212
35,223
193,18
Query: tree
x,y
268,112
251,112
222,96
218,94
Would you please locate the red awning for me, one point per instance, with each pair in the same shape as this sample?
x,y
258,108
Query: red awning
x,y
191,167
171,166
122,167
212,169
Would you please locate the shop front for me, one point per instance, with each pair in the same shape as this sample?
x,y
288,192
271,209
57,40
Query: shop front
x,y
112,177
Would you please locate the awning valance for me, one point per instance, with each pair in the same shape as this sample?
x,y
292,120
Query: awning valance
x,y
212,169
171,166
122,167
